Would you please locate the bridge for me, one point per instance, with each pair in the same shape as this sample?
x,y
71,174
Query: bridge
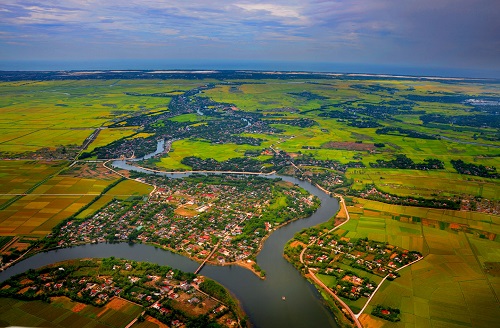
x,y
208,258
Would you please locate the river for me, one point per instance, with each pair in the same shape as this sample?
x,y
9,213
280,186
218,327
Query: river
x,y
261,299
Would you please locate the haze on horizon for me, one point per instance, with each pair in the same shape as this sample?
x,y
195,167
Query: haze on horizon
x,y
455,37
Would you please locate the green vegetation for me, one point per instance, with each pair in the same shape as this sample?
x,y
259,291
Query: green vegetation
x,y
386,313
215,290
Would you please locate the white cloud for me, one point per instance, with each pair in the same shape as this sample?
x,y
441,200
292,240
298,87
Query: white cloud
x,y
291,14
275,10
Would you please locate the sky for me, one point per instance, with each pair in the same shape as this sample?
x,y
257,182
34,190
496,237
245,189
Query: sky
x,y
454,36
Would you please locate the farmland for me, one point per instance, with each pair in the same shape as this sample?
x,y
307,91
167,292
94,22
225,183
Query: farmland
x,y
451,285
410,182
48,114
62,312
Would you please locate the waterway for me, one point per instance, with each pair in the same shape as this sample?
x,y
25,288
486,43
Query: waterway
x,y
261,299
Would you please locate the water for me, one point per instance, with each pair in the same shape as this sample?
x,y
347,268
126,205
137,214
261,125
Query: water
x,y
261,299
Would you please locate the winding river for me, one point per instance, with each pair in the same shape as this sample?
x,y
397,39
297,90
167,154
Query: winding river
x,y
261,299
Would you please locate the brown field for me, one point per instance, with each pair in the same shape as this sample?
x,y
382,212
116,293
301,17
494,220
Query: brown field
x,y
348,146
297,243
115,304
194,309
78,307
185,212
150,322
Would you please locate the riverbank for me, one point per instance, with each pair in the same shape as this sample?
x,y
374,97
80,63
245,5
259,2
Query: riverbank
x,y
257,296
160,291
340,218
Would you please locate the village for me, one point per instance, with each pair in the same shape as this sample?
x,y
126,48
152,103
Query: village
x,y
169,295
346,259
197,215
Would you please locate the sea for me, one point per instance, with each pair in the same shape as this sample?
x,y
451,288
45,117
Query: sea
x,y
162,64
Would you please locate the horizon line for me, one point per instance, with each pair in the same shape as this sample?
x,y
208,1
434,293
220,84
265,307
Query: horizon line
x,y
160,71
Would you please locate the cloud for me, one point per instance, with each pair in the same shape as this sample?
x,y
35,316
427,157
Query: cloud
x,y
280,11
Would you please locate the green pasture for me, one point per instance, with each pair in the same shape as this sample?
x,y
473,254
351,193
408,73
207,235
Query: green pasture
x,y
330,281
278,202
107,136
195,118
268,97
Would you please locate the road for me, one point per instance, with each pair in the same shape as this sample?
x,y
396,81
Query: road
x,y
319,282
347,308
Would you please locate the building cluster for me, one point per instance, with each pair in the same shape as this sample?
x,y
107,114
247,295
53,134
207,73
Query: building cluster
x,y
192,218
170,295
342,258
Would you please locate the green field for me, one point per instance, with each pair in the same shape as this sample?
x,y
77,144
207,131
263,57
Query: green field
x,y
449,287
128,188
202,149
37,114
424,183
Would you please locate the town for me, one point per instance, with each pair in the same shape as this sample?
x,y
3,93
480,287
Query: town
x,y
226,217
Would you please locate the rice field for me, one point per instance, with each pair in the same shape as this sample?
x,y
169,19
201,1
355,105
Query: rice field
x,y
450,286
53,201
17,177
38,114
424,183
62,312
457,284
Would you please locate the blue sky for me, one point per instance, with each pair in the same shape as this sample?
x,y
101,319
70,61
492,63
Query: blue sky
x,y
455,34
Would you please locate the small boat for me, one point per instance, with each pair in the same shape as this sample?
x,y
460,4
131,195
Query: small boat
x,y
283,298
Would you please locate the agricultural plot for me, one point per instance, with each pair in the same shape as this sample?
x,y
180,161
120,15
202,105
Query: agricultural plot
x,y
42,114
53,201
129,188
17,177
46,137
62,312
409,183
450,286
185,148
457,284
107,136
